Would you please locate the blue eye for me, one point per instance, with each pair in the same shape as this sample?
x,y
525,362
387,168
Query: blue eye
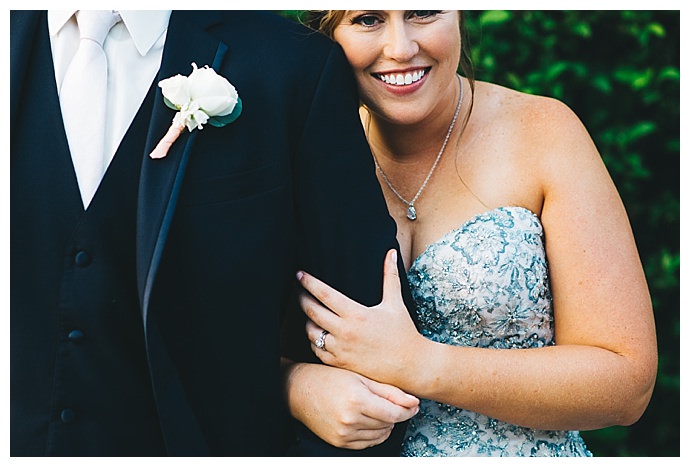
x,y
366,20
424,14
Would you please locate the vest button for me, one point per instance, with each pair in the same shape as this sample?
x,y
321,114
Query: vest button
x,y
68,415
82,258
75,336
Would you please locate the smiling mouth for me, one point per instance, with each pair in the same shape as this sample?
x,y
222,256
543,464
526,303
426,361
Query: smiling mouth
x,y
402,79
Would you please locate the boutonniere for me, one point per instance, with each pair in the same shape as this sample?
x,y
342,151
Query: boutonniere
x,y
200,98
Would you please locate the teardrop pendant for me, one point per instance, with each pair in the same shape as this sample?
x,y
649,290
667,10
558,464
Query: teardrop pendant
x,y
411,213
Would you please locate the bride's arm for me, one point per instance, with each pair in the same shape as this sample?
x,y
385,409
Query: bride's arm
x,y
601,371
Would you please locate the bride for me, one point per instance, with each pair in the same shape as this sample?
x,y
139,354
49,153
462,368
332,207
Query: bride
x,y
533,318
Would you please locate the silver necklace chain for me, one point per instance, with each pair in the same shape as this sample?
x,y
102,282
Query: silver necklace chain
x,y
411,211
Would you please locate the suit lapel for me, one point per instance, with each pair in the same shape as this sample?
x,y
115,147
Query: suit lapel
x,y
188,40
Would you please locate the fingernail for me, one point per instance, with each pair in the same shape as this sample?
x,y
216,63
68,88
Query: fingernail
x,y
394,256
300,274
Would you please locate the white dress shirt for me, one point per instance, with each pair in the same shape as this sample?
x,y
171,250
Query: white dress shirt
x,y
133,48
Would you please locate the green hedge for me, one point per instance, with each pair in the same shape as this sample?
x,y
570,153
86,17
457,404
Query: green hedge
x,y
619,71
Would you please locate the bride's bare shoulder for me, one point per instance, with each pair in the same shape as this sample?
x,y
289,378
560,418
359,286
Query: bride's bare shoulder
x,y
525,120
506,106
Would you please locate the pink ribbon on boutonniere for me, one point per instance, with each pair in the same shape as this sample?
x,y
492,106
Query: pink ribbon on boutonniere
x,y
200,98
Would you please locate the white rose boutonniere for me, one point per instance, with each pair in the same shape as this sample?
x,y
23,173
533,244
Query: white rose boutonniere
x,y
200,98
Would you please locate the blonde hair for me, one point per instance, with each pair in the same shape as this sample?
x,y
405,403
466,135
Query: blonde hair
x,y
324,21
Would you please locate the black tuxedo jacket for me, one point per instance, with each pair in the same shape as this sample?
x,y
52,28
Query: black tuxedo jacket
x,y
228,217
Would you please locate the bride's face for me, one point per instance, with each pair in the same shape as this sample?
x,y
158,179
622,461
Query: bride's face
x,y
405,62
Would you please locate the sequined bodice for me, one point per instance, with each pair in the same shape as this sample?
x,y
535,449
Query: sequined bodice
x,y
485,284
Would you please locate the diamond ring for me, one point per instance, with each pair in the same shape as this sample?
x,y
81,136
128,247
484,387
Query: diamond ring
x,y
320,342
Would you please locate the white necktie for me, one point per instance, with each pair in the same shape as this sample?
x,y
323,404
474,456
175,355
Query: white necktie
x,y
83,100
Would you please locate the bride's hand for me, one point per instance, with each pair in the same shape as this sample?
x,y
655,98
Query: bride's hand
x,y
345,409
380,342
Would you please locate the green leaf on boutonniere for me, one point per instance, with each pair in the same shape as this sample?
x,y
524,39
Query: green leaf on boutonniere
x,y
219,121
170,104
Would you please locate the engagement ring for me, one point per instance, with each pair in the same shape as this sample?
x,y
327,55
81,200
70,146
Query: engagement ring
x,y
320,343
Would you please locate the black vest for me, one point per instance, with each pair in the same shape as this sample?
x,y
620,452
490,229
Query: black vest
x,y
79,378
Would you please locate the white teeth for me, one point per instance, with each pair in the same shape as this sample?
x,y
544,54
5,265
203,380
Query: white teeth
x,y
400,79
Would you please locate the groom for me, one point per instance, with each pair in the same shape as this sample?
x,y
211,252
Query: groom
x,y
146,316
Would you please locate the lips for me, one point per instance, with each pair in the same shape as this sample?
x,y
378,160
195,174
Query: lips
x,y
402,79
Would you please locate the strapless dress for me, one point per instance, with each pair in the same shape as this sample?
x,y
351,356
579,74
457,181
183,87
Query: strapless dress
x,y
485,284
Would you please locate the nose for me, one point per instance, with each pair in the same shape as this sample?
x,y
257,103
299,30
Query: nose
x,y
400,44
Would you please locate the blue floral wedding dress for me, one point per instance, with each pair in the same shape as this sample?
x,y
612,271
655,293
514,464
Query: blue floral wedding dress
x,y
485,284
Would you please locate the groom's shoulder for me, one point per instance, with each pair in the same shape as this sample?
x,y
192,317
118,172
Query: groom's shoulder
x,y
272,29
268,43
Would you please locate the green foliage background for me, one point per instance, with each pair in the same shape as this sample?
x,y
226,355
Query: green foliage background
x,y
619,71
